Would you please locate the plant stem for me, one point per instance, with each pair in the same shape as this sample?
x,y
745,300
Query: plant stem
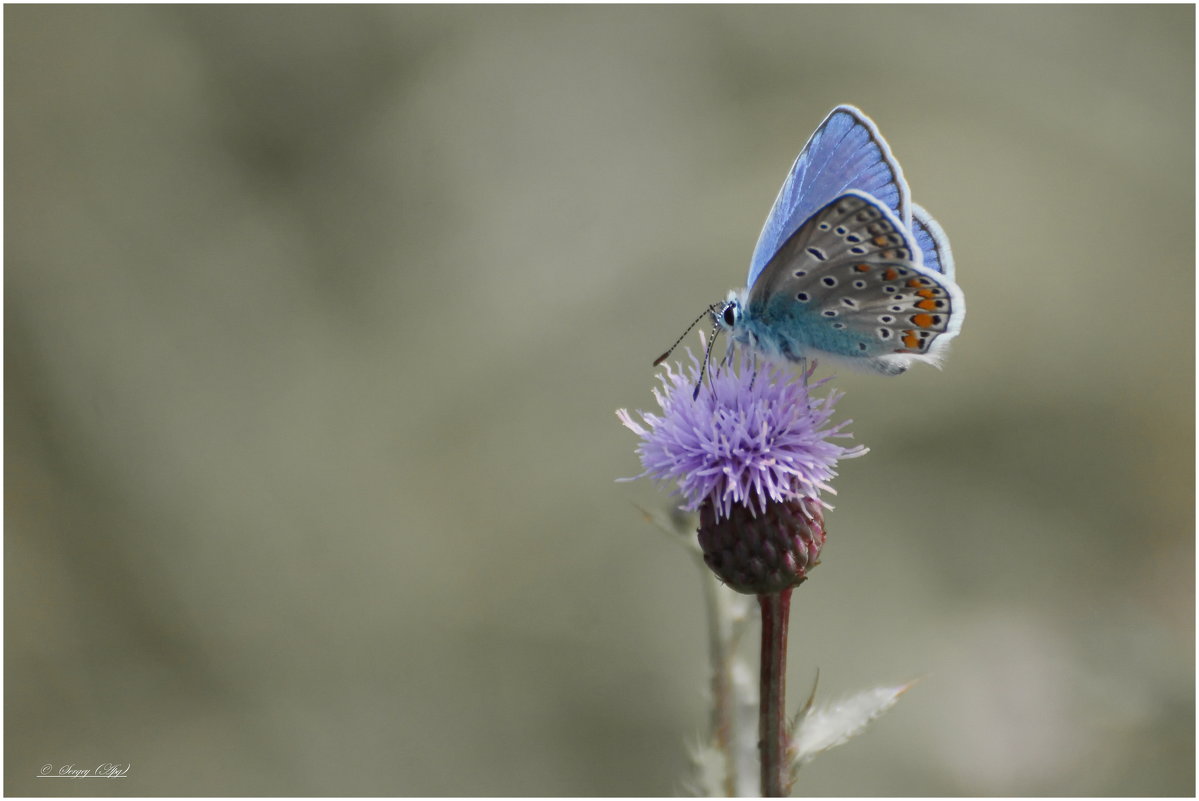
x,y
719,637
772,717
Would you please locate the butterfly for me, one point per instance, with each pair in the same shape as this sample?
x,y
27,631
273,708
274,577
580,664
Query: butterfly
x,y
847,268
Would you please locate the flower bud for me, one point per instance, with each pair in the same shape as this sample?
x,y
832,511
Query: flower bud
x,y
763,553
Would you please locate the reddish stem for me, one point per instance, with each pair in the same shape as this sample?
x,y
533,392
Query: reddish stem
x,y
772,717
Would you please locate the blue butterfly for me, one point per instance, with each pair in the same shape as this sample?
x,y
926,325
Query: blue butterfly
x,y
846,267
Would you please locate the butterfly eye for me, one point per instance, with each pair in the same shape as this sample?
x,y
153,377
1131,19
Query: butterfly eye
x,y
730,316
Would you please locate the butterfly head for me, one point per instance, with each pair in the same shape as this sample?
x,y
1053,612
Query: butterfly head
x,y
729,316
726,315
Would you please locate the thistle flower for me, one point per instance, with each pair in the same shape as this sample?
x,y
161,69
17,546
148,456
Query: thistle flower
x,y
752,453
749,438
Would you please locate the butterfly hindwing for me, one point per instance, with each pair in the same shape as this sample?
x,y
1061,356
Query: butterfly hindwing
x,y
932,241
849,283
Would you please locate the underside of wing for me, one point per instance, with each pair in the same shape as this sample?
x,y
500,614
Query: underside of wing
x,y
854,226
849,284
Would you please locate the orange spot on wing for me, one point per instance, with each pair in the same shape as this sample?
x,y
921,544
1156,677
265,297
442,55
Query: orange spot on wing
x,y
911,340
923,320
881,240
917,282
927,293
890,274
927,305
862,268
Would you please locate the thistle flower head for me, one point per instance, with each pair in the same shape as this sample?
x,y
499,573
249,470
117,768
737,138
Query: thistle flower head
x,y
752,437
752,451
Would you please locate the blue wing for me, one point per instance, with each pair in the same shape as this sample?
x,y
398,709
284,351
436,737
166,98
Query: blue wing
x,y
933,243
846,152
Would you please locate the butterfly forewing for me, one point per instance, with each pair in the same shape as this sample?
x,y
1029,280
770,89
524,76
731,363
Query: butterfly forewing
x,y
846,152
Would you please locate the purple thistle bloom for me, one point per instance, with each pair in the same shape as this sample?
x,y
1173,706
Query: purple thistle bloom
x,y
749,439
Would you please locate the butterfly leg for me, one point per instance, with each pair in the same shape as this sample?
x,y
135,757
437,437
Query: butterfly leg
x,y
803,367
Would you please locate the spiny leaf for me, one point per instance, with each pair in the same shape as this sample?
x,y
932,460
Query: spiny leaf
x,y
819,728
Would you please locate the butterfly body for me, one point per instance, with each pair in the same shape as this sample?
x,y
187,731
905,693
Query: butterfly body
x,y
846,268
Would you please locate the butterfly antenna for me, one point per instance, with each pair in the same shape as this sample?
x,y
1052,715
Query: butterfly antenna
x,y
666,355
707,361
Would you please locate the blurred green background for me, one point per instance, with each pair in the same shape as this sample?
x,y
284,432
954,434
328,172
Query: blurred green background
x,y
317,317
